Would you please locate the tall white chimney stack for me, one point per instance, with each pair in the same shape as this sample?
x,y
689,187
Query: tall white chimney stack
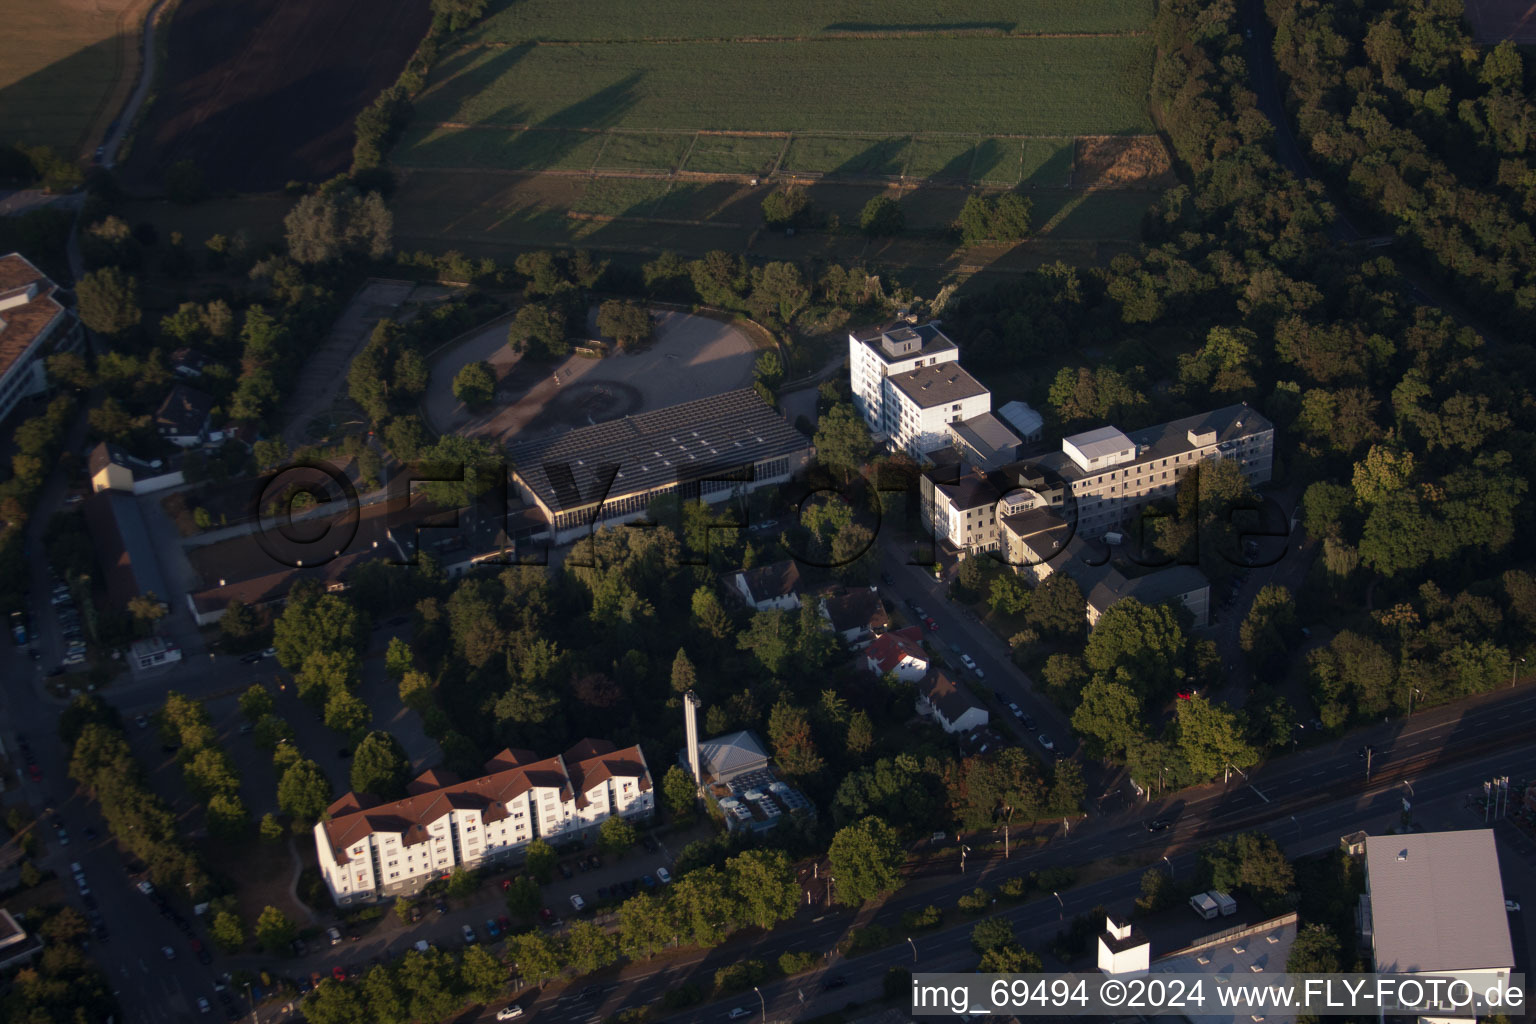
x,y
691,726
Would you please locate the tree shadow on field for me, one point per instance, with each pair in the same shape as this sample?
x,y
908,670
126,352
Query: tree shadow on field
x,y
883,157
50,107
551,142
958,168
458,79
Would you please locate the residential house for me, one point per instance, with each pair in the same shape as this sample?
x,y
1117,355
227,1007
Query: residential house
x,y
33,326
369,850
855,614
950,703
773,586
112,469
182,418
899,653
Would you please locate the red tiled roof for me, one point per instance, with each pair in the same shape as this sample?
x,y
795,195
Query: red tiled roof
x,y
511,774
888,650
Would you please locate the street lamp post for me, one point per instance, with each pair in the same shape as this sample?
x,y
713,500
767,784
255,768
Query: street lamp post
x,y
1170,866
963,851
1061,908
1412,693
252,998
762,1001
1513,670
914,948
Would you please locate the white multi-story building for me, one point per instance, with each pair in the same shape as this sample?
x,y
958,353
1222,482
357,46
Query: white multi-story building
x,y
1098,480
368,850
33,325
875,353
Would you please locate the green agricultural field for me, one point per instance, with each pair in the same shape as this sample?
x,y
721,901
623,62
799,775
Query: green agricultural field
x,y
856,157
513,21
648,151
974,86
735,154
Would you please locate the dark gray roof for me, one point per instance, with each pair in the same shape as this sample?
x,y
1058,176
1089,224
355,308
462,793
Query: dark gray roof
x,y
704,439
777,579
1436,902
1153,588
731,754
986,433
184,411
855,608
1166,440
123,547
951,697
934,340
973,490
940,384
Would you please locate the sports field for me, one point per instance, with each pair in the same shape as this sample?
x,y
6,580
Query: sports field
x,y
65,69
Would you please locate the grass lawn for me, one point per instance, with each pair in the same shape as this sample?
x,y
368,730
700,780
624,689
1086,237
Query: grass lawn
x,y
948,158
857,157
999,161
734,154
988,85
1047,162
627,151
64,70
620,197
517,20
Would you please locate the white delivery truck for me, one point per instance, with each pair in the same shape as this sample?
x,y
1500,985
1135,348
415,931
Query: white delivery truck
x,y
1227,904
1204,905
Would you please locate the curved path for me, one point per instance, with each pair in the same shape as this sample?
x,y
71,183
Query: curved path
x,y
115,135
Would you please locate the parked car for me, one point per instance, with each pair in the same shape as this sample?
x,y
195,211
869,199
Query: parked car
x,y
491,930
968,662
168,952
648,881
1015,711
142,722
1045,741
509,1012
339,973
738,1013
63,837
1512,906
334,934
270,652
1159,825
441,906
202,1005
932,624
577,903
252,658
664,876
1029,723
547,917
469,935
565,870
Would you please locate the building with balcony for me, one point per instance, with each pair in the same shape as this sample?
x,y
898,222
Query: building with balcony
x,y
370,850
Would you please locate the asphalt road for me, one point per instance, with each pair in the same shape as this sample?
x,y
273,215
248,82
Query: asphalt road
x,y
1309,830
